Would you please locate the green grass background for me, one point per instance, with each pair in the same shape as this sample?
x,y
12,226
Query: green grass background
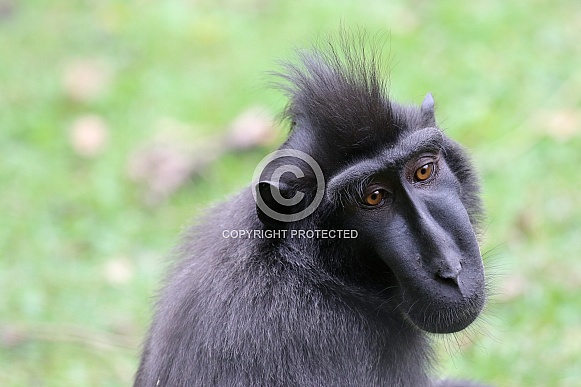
x,y
506,77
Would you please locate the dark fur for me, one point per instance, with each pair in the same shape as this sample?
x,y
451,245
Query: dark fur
x,y
300,312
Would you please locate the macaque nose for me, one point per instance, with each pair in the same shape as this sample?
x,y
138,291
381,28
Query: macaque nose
x,y
449,269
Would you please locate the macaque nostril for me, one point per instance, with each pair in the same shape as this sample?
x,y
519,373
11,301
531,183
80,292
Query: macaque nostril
x,y
450,274
447,279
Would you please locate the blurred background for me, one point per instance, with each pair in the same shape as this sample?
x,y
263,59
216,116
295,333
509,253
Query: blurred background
x,y
121,120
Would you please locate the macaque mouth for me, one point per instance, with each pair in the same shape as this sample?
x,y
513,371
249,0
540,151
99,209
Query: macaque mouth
x,y
438,303
455,310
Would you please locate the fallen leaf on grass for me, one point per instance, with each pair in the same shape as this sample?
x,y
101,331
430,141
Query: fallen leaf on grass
x,y
561,124
7,8
161,168
118,271
166,162
88,135
513,287
85,79
253,127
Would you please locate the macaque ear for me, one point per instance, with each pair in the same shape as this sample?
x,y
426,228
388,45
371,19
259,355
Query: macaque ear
x,y
275,201
427,109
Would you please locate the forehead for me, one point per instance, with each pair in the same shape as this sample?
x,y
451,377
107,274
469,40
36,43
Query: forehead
x,y
424,140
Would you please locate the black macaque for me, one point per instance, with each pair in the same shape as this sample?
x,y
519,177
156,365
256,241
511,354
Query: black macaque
x,y
273,290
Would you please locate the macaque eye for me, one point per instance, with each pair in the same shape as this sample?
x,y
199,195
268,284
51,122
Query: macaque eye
x,y
374,198
424,172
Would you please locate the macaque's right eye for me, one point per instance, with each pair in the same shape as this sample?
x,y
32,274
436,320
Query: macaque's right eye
x,y
375,198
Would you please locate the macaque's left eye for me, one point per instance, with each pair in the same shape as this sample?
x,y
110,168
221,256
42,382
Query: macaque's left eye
x,y
424,172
